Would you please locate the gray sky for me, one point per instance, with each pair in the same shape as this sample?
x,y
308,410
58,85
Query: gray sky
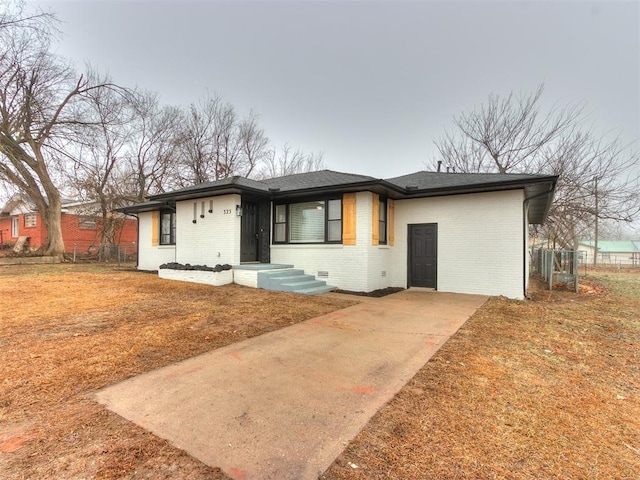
x,y
368,83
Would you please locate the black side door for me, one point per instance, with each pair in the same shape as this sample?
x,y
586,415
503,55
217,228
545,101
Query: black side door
x,y
423,255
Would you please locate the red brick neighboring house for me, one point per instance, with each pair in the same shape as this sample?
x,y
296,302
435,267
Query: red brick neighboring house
x,y
81,229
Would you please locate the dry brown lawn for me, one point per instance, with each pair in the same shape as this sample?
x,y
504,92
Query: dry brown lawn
x,y
543,389
548,388
68,330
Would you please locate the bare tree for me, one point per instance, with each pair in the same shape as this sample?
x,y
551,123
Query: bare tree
x,y
152,153
596,184
253,147
215,144
289,161
505,134
99,166
13,15
512,135
39,93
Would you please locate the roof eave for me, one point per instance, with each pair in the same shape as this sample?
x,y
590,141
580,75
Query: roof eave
x,y
373,185
547,197
210,192
141,207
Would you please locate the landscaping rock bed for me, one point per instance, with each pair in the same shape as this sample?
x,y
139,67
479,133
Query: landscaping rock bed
x,y
382,292
217,276
188,266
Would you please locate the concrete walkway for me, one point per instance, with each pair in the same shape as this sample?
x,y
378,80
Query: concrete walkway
x,y
285,404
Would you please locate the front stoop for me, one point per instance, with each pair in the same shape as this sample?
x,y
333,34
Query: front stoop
x,y
292,280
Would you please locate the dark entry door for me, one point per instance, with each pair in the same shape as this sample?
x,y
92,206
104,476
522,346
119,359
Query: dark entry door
x,y
423,254
249,232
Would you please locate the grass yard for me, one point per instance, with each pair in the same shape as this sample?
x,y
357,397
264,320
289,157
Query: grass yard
x,y
68,330
548,388
542,389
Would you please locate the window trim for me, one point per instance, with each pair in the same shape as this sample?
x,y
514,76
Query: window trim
x,y
287,204
87,222
172,227
385,222
31,216
276,223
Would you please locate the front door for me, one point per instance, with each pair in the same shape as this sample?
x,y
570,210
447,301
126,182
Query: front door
x,y
423,255
249,232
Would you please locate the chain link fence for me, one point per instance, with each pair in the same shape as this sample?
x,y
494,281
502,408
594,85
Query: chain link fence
x,y
557,267
119,253
610,260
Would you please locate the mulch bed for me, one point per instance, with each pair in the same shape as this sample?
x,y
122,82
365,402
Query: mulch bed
x,y
376,293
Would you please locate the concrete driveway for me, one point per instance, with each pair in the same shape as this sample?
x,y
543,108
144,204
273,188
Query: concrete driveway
x,y
285,404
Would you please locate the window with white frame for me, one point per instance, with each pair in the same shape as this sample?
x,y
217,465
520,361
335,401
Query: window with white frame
x,y
15,227
30,220
87,222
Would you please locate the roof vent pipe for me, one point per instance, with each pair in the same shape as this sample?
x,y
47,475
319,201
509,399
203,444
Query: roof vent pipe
x,y
439,165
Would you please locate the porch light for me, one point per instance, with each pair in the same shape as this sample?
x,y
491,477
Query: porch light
x,y
239,210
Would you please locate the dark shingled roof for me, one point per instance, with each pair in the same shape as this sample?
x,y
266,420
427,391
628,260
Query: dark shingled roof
x,y
143,207
441,180
240,182
537,188
319,179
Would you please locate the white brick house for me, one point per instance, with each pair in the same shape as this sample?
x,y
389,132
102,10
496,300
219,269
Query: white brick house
x,y
453,232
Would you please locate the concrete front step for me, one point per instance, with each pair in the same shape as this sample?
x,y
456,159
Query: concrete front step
x,y
292,280
264,278
302,285
316,290
276,282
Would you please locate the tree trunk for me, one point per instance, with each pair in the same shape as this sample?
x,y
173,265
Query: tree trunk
x,y
52,216
109,221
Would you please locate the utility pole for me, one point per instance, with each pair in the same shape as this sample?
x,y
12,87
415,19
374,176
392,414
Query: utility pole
x,y
595,243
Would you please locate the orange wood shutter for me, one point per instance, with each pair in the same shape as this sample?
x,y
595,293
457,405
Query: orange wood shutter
x,y
390,220
349,219
155,226
375,220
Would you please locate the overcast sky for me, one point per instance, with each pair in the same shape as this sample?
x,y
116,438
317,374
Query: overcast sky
x,y
368,83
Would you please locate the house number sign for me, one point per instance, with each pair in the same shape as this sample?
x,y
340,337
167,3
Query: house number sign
x,y
226,211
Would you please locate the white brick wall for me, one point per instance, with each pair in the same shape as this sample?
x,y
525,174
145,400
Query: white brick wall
x,y
480,241
195,276
212,240
248,278
525,232
150,257
351,267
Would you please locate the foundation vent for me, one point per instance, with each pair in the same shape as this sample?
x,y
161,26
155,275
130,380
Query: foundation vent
x,y
323,274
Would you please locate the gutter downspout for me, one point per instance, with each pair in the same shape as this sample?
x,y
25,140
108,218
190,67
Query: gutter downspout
x,y
525,211
525,241
137,238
